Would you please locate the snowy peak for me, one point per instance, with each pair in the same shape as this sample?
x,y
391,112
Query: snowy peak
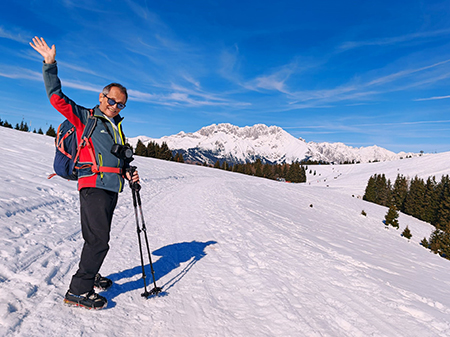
x,y
250,132
272,144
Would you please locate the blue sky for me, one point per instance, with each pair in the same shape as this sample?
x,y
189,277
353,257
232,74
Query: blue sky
x,y
360,73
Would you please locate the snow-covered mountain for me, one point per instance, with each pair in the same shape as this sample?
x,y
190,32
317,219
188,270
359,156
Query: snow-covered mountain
x,y
235,255
269,143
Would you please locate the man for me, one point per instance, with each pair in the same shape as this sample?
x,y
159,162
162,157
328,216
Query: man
x,y
99,181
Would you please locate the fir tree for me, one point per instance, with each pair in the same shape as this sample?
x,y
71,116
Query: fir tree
x,y
370,193
165,152
414,202
430,203
407,233
267,171
51,131
443,210
152,149
296,174
391,217
40,132
399,192
179,157
440,243
258,168
224,165
140,150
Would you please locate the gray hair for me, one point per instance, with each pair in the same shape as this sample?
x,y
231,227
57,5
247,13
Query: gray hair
x,y
106,89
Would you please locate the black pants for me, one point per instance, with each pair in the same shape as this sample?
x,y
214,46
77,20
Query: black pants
x,y
96,208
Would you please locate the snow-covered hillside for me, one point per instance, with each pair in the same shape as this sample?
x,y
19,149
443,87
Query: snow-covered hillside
x,y
271,144
236,255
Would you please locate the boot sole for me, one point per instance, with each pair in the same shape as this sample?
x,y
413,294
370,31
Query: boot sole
x,y
76,304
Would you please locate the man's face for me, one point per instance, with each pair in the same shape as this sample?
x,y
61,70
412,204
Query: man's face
x,y
112,110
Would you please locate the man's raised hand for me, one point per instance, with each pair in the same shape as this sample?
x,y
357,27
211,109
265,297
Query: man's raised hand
x,y
42,48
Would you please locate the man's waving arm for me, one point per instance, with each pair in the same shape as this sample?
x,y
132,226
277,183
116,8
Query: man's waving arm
x,y
42,48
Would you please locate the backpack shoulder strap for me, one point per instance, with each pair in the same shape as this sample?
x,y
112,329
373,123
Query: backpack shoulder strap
x,y
90,126
87,132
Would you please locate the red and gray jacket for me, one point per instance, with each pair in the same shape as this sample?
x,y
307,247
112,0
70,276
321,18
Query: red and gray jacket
x,y
101,169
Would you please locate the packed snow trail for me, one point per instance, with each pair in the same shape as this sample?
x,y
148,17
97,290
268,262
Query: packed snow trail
x,y
235,255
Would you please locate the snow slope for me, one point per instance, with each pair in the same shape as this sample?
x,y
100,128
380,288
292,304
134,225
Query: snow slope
x,y
236,255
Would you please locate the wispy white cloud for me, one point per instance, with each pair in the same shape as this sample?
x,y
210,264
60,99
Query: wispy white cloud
x,y
20,73
404,73
82,86
395,39
181,96
431,98
15,36
358,91
375,126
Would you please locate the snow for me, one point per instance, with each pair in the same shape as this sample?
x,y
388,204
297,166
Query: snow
x,y
236,255
271,143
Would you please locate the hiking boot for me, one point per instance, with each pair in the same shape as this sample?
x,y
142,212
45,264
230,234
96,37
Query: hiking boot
x,y
102,283
89,300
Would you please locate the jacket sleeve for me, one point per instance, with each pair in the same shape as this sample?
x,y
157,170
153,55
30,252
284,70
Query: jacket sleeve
x,y
75,114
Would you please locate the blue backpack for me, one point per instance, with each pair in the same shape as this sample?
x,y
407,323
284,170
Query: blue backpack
x,y
68,149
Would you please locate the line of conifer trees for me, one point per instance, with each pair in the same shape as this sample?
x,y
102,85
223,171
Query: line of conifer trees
x,y
295,172
23,126
425,200
154,150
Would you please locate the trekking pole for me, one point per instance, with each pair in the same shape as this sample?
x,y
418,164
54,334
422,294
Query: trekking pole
x,y
135,188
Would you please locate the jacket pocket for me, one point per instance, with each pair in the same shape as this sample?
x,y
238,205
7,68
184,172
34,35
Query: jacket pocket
x,y
85,169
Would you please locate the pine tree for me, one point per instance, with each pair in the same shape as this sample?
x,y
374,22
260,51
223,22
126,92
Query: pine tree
x,y
400,191
296,174
371,193
51,131
440,243
383,190
407,233
443,210
267,171
179,157
140,150
40,132
224,165
430,202
258,168
165,152
414,202
151,149
391,217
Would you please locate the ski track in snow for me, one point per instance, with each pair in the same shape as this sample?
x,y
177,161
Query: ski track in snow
x,y
235,255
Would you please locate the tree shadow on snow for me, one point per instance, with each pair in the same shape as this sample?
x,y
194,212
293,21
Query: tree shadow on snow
x,y
171,258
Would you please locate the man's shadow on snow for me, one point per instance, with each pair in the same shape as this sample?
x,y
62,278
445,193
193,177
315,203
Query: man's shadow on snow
x,y
172,256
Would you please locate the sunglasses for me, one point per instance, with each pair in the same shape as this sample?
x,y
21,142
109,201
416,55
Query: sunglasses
x,y
113,102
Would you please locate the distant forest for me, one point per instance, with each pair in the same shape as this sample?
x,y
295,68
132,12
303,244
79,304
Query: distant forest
x,y
295,172
425,200
23,126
